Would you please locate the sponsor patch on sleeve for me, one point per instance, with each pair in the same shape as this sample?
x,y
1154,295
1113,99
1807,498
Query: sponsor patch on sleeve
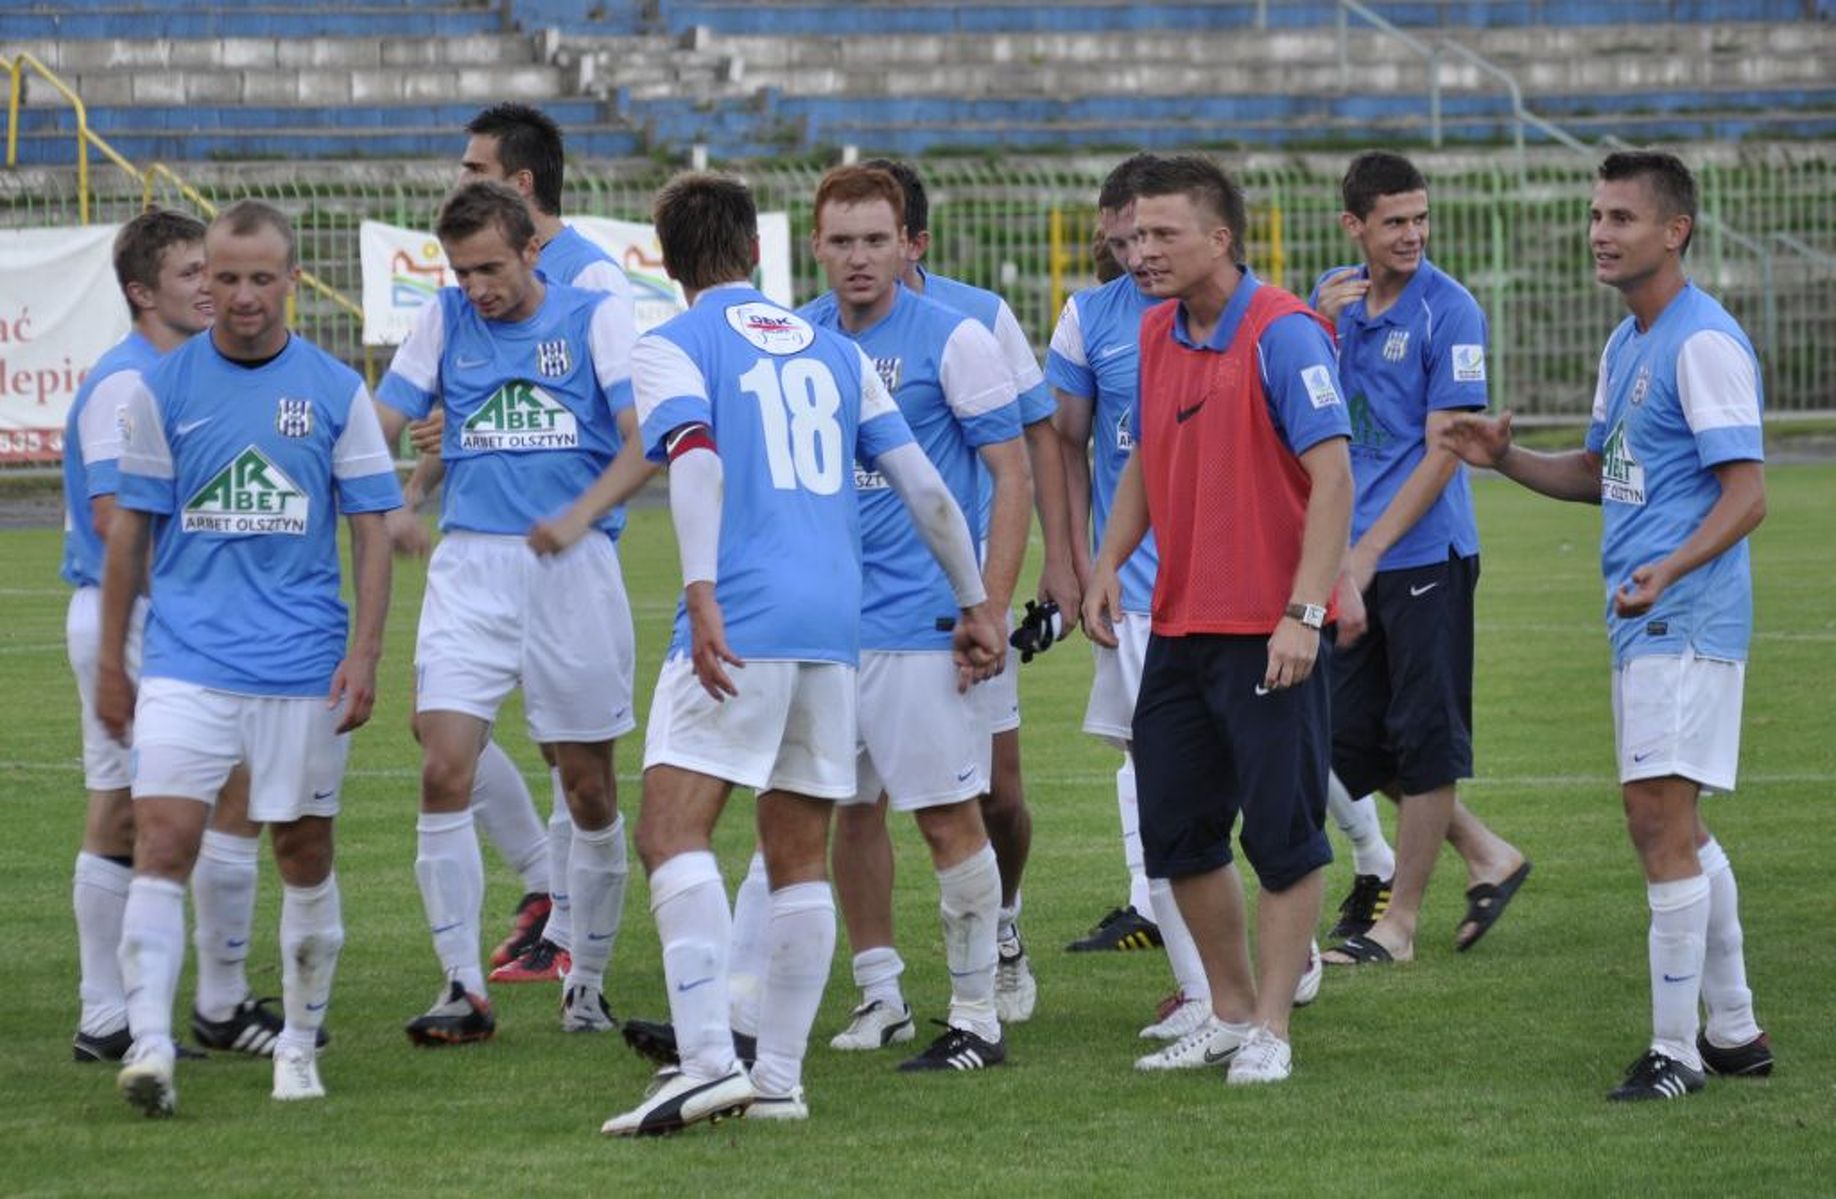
x,y
1469,364
1320,387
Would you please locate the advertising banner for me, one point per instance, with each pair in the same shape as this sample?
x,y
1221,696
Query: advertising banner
x,y
60,310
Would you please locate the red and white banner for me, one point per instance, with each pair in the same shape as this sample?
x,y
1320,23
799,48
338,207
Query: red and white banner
x,y
60,310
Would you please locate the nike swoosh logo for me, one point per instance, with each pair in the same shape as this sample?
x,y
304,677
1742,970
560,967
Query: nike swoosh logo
x,y
315,1007
1643,756
324,794
1186,414
1261,690
1112,351
466,364
187,426
1675,978
599,936
447,928
963,776
235,942
1213,1058
1418,591
700,982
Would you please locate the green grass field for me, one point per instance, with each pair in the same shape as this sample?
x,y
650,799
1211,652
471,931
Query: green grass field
x,y
1458,1074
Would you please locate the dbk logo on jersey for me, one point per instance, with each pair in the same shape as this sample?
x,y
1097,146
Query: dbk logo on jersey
x,y
770,328
1396,345
1622,476
293,418
520,416
552,359
889,370
250,495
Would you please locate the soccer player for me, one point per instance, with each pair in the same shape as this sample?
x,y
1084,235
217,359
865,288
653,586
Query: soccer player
x,y
159,263
1092,367
1241,471
1411,356
239,451
864,850
759,414
534,378
1674,457
522,147
924,745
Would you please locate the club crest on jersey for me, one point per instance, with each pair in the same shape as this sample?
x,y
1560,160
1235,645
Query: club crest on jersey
x,y
1641,385
1622,475
1469,364
293,418
249,496
770,328
520,416
1396,345
889,370
552,359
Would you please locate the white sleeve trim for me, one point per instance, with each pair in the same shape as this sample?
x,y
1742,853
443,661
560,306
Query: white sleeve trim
x,y
612,334
975,378
1016,350
1600,391
1068,337
417,360
875,399
144,449
1716,383
603,275
99,428
361,450
661,371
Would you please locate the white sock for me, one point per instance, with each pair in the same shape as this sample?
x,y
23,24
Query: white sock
x,y
560,928
98,894
1182,950
747,958
1007,920
801,937
223,904
597,874
1724,966
876,973
450,871
1132,854
1678,943
695,927
502,806
1357,819
152,950
311,934
970,895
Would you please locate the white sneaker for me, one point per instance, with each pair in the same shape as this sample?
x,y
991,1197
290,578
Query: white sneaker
x,y
296,1074
146,1080
874,1025
779,1107
1264,1057
1187,1014
1309,988
1016,991
1213,1043
583,1009
678,1101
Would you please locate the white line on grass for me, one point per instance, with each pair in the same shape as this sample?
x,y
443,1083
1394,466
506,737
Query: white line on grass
x,y
39,648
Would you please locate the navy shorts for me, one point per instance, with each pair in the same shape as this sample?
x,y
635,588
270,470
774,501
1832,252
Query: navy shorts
x,y
1211,745
1402,695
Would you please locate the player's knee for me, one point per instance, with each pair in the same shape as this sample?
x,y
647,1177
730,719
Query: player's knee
x,y
111,826
953,831
163,852
446,782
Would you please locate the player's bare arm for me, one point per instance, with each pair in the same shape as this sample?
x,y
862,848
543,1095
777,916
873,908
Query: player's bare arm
x,y
1572,475
1072,424
124,566
1058,579
623,478
407,534
1739,510
978,644
354,682
1294,647
1008,521
1412,500
1128,524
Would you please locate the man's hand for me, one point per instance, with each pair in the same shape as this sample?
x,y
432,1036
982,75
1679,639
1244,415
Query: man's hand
x,y
978,645
407,534
1292,651
554,536
425,435
115,702
709,653
1340,291
1477,439
1103,606
1353,619
1059,583
1635,598
353,685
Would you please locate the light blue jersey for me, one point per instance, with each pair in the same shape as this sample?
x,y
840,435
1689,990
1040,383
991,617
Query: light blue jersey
x,y
570,258
1672,403
792,409
92,447
530,405
245,470
1096,356
946,373
1424,353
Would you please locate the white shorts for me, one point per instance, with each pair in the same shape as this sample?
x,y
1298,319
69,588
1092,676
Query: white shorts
x,y
188,738
1679,714
106,762
790,728
997,701
496,615
1110,714
921,741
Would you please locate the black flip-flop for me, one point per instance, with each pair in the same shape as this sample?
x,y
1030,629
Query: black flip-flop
x,y
1362,950
1485,903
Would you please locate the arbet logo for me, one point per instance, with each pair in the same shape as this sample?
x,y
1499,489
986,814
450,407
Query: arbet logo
x,y
520,416
251,495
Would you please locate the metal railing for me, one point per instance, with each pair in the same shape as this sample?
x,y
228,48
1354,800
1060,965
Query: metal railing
x,y
1431,53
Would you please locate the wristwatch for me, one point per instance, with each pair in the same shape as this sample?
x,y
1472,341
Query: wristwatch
x,y
1311,615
